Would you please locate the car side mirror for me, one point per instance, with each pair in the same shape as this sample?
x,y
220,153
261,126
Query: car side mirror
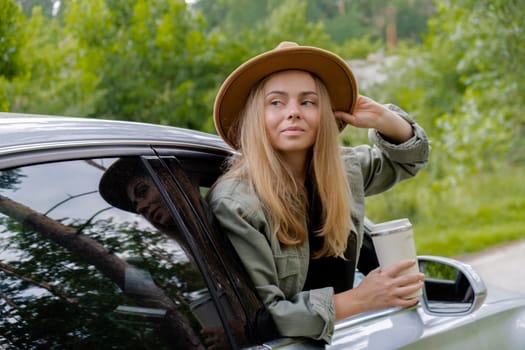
x,y
451,288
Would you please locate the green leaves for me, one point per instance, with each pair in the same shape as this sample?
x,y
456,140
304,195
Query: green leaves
x,y
465,84
11,39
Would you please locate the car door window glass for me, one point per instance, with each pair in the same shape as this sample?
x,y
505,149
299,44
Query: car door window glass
x,y
76,272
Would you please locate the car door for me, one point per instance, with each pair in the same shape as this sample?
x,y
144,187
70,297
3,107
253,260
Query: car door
x,y
183,182
78,273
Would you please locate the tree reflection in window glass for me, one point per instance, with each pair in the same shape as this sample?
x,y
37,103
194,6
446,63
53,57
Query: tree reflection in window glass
x,y
77,273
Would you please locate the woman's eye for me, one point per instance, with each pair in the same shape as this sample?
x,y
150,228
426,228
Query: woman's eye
x,y
140,191
308,103
275,102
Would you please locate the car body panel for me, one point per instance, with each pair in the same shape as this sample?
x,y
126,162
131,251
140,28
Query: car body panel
x,y
24,130
500,319
24,136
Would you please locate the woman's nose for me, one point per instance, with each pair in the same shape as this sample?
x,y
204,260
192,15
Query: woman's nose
x,y
141,206
293,112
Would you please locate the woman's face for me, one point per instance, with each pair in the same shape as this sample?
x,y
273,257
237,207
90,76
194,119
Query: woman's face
x,y
147,201
291,111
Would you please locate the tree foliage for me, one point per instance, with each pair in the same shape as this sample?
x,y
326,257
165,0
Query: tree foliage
x,y
147,58
136,60
465,84
49,7
12,38
342,19
54,83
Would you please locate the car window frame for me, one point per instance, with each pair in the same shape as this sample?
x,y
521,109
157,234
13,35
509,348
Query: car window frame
x,y
174,210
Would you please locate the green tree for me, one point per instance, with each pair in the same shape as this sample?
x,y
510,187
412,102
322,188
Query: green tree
x,y
343,19
234,15
288,22
153,60
12,39
140,60
56,82
347,19
465,84
50,8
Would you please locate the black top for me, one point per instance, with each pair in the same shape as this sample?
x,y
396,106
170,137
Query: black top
x,y
323,272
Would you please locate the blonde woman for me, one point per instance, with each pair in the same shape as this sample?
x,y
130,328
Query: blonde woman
x,y
292,201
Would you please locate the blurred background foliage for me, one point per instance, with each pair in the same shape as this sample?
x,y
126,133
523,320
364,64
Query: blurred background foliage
x,y
455,65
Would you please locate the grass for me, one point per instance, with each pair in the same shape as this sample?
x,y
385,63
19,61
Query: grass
x,y
484,210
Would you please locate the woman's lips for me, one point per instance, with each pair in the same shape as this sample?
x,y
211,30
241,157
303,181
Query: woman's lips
x,y
154,215
293,130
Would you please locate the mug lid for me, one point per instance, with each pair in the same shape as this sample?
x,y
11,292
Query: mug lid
x,y
390,227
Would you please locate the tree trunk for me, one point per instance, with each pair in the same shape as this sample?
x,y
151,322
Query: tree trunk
x,y
110,265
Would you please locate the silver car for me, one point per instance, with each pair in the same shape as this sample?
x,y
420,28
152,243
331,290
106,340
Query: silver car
x,y
106,242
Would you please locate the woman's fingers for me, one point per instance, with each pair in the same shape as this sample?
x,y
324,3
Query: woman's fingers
x,y
405,302
406,290
344,117
391,286
402,284
410,278
400,266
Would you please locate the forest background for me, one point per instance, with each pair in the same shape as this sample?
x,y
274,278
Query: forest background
x,y
455,65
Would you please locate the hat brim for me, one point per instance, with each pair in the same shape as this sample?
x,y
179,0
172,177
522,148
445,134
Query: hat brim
x,y
333,71
114,182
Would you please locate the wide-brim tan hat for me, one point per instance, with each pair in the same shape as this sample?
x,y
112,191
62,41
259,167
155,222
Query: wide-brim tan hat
x,y
333,71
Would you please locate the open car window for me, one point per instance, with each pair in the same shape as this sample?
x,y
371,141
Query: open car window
x,y
77,272
237,305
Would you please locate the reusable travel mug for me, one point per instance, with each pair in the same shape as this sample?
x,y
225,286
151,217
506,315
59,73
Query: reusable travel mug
x,y
394,241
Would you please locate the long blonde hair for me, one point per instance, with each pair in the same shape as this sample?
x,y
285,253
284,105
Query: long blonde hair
x,y
284,200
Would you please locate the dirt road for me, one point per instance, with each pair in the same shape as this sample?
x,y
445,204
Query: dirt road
x,y
502,265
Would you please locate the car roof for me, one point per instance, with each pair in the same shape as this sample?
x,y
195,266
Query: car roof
x,y
31,138
26,130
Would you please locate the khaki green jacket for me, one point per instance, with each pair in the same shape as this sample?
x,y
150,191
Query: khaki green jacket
x,y
278,271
